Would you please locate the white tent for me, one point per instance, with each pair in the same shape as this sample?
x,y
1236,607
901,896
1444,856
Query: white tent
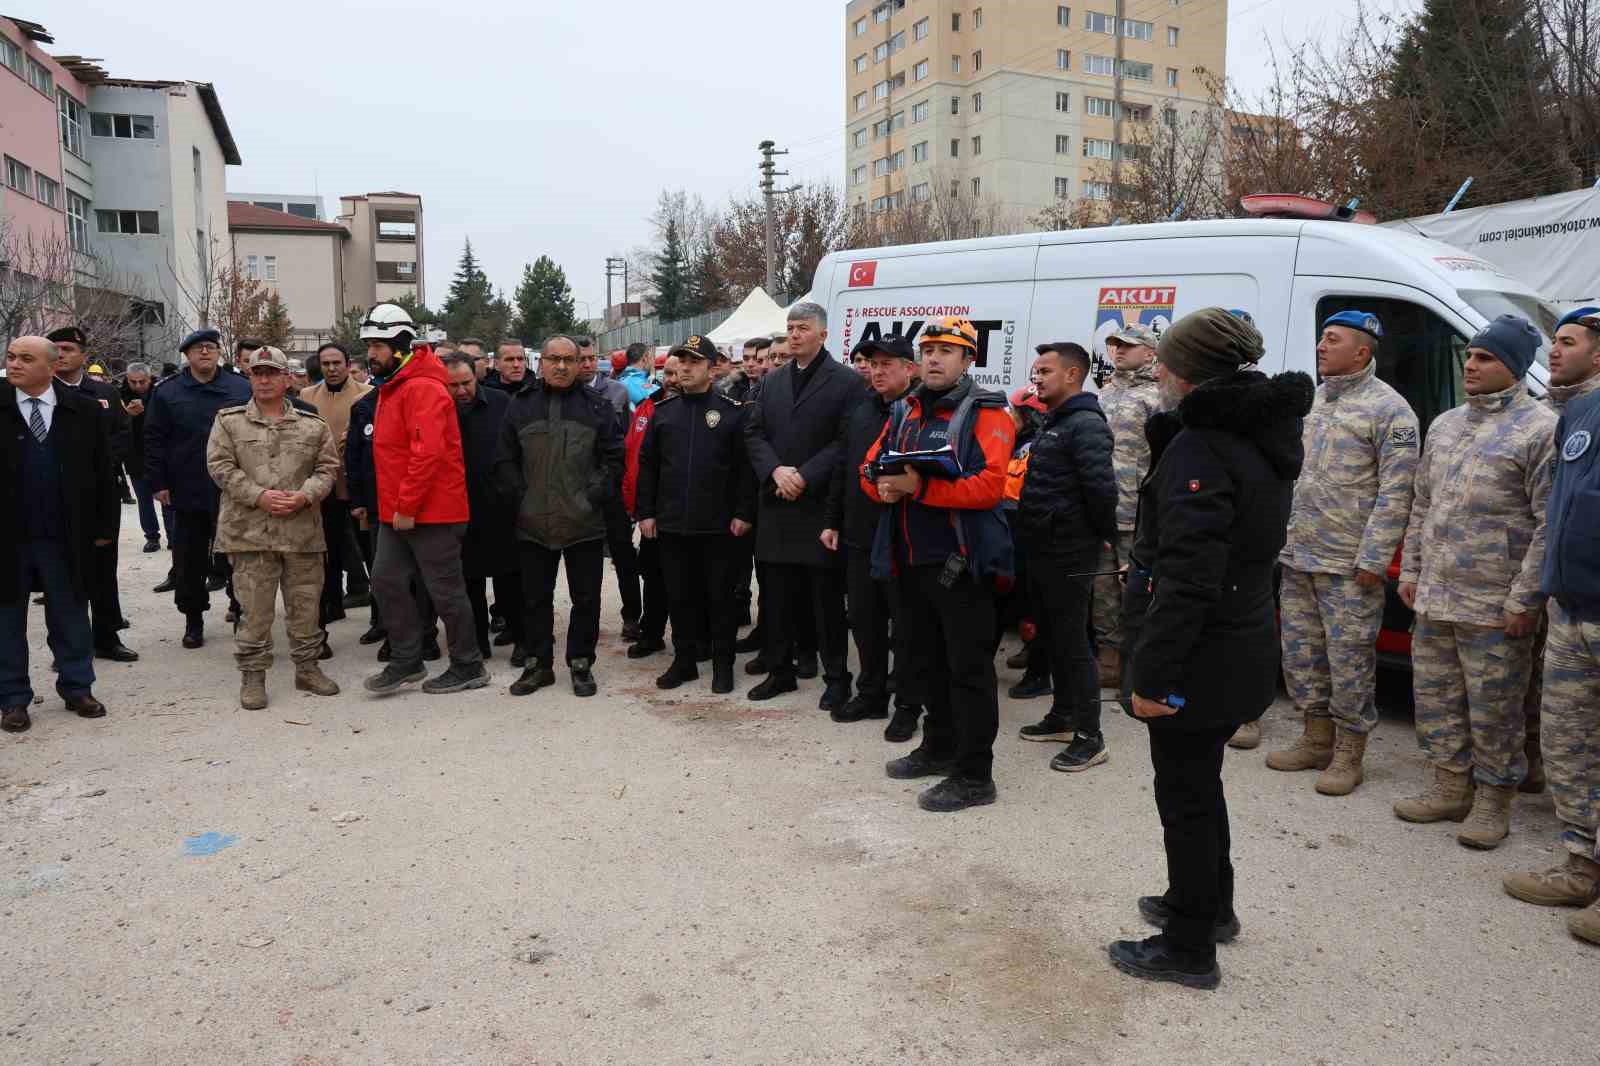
x,y
758,316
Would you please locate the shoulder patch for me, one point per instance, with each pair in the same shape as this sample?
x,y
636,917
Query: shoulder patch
x,y
1404,436
239,410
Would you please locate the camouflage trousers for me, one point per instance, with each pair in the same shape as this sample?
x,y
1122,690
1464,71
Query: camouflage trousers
x,y
1469,682
1106,610
1571,741
257,577
1329,626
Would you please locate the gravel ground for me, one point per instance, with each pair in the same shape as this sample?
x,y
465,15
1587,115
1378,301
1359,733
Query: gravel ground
x,y
677,877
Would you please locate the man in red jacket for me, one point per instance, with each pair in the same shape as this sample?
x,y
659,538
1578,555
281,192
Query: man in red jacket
x,y
422,507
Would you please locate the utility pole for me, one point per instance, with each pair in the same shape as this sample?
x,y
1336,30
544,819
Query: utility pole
x,y
769,192
616,266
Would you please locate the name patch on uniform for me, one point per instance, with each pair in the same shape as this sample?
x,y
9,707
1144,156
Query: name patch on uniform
x,y
712,418
1576,445
1405,436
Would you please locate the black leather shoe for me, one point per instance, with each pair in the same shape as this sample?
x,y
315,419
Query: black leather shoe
x,y
85,706
168,585
374,635
117,652
519,656
722,678
216,583
677,674
774,685
194,633
1154,910
15,719
859,708
357,598
582,678
758,666
918,764
504,638
903,726
1153,960
152,546
645,647
631,632
754,640
956,794
805,665
1030,687
535,677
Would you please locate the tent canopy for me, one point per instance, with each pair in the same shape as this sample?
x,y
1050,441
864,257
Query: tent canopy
x,y
758,316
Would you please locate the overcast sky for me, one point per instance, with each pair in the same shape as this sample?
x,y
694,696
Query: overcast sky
x,y
531,127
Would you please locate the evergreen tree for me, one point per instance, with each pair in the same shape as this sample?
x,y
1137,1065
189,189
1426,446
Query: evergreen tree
x,y
275,325
471,295
419,312
671,278
544,303
708,287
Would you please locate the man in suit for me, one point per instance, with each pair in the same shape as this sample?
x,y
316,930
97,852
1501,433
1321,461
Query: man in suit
x,y
793,440
57,458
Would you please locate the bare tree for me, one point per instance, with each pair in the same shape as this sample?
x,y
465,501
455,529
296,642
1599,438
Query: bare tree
x,y
1168,167
944,212
1568,41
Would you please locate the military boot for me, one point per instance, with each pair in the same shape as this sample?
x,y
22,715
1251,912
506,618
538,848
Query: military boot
x,y
1575,883
1534,783
308,677
1344,772
1490,820
1447,798
1312,751
1585,925
253,690
1246,736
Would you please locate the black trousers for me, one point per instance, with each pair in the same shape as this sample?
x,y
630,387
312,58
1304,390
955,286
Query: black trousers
x,y
699,572
105,600
191,536
951,640
624,558
1194,824
507,590
789,590
585,564
744,568
1060,605
366,541
875,621
335,522
654,613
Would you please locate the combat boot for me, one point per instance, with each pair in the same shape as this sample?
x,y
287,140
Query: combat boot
x,y
1447,798
1490,820
1534,783
1585,925
253,690
1312,751
1109,666
1344,772
308,677
1575,883
1246,736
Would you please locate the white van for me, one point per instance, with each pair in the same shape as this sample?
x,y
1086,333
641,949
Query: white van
x,y
1288,275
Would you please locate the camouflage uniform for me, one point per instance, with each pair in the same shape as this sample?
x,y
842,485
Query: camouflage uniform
x,y
1350,510
248,454
1128,399
1572,731
1474,547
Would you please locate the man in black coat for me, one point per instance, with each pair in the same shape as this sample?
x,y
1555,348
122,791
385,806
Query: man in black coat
x,y
136,388
1067,510
793,440
851,524
1199,621
59,484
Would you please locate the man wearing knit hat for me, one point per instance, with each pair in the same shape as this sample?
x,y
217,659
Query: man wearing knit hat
x,y
1470,570
1198,625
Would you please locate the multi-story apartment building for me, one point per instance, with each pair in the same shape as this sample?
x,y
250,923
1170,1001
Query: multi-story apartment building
x,y
383,257
1016,101
300,259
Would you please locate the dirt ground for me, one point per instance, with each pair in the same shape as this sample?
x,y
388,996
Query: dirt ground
x,y
650,877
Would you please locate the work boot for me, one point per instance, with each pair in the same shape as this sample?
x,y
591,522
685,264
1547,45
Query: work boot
x,y
1447,798
308,677
835,696
1312,751
519,656
1534,783
1030,687
194,631
1247,736
956,794
903,726
15,719
1585,925
918,764
457,678
538,675
1154,959
1490,819
1344,772
1109,664
1575,883
393,678
582,678
679,672
253,690
374,635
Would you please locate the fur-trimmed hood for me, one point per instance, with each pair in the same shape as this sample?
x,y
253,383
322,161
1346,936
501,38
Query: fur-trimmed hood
x,y
1265,410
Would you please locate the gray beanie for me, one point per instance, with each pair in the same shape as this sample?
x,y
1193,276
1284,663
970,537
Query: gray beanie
x,y
1208,344
1512,340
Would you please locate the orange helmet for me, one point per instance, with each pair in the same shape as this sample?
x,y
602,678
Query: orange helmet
x,y
956,331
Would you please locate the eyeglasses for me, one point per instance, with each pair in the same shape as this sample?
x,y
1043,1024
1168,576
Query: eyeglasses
x,y
205,346
559,360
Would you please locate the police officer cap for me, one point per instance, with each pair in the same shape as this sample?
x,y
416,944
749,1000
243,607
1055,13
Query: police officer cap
x,y
1365,321
893,345
68,335
697,347
200,336
1573,317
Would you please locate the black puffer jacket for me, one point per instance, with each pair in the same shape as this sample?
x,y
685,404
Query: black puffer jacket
x,y
1068,504
559,460
1199,613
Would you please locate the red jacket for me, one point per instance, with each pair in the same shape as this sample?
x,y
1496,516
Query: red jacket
x,y
638,422
416,445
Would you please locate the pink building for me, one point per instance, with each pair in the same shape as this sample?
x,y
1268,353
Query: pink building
x,y
46,184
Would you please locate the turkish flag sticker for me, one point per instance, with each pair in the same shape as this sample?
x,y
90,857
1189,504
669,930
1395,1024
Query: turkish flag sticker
x,y
863,274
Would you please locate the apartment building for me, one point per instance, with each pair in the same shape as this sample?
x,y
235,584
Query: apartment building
x,y
300,259
1015,100
384,255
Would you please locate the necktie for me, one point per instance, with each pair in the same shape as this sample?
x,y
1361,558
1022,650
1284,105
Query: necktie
x,y
36,421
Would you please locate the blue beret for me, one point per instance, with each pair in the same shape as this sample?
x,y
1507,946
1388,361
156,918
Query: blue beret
x,y
1365,321
200,335
1573,316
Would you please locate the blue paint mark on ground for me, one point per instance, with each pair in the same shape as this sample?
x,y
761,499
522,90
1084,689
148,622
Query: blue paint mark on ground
x,y
208,843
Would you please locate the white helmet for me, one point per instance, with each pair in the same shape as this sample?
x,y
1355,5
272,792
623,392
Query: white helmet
x,y
386,322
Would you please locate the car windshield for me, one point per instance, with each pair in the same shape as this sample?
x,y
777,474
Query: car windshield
x,y
1543,315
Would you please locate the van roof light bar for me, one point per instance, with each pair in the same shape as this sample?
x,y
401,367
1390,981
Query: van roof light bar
x,y
1288,205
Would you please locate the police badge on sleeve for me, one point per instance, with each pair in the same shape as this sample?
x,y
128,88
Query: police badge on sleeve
x,y
1576,446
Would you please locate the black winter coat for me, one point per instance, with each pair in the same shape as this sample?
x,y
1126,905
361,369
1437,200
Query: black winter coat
x,y
177,426
359,475
490,546
88,485
1068,504
694,476
113,415
134,460
804,432
558,462
852,512
1199,611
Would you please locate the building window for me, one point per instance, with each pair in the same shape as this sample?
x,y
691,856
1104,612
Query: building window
x,y
977,186
1064,17
404,273
899,160
1172,77
72,115
127,222
955,105
919,112
1094,148
1169,115
1136,112
1093,64
1064,102
1096,190
880,52
19,177
136,127
49,191
859,138
977,19
955,148
252,267
921,193
1095,22
920,71
1099,107
1063,144
977,146
977,62
859,175
1137,71
880,14
897,42
269,268
861,27
861,62
39,77
880,91
955,188
10,54
78,222
1063,59
1063,188
955,64
955,22
1172,36
919,31
861,101
977,102
880,167
919,152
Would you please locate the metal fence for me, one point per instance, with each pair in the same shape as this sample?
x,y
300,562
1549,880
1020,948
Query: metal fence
x,y
651,330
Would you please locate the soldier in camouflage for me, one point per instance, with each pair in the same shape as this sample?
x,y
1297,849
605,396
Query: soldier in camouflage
x,y
1129,398
1473,551
1571,578
1350,510
275,465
